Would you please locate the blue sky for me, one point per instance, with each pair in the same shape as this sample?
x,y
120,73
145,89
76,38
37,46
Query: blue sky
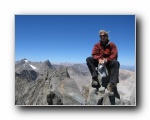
x,y
71,38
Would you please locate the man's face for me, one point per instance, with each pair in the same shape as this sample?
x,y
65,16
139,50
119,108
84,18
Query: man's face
x,y
104,37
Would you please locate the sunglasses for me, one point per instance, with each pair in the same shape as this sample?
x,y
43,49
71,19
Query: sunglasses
x,y
103,35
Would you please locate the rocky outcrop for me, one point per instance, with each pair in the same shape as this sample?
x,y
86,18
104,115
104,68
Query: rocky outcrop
x,y
40,83
28,74
127,90
66,88
45,87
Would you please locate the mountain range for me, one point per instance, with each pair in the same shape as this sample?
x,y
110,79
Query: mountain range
x,y
46,83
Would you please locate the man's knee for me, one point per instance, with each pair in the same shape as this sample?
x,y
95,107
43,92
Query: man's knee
x,y
88,59
116,63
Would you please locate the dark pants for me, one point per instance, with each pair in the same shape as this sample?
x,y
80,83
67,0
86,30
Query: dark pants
x,y
112,67
113,70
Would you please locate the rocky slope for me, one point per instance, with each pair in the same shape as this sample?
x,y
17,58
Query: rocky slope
x,y
127,87
34,84
43,83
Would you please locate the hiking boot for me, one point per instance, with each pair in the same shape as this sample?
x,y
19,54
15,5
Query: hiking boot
x,y
95,83
110,87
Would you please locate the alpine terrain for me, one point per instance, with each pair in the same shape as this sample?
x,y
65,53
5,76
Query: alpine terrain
x,y
46,83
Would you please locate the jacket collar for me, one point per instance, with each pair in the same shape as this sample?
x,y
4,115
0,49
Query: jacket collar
x,y
106,43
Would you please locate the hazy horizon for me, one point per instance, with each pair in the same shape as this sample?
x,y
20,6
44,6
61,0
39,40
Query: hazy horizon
x,y
123,66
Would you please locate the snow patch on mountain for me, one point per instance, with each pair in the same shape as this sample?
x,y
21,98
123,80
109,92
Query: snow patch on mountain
x,y
33,66
26,61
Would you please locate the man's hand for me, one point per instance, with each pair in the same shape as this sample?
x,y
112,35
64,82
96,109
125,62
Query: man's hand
x,y
102,61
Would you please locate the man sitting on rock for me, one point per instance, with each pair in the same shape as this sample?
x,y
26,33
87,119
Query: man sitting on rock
x,y
104,52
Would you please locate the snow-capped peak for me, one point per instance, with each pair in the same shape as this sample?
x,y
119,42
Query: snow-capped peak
x,y
25,60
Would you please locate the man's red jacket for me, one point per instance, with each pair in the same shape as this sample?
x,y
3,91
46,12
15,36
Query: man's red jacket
x,y
108,52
